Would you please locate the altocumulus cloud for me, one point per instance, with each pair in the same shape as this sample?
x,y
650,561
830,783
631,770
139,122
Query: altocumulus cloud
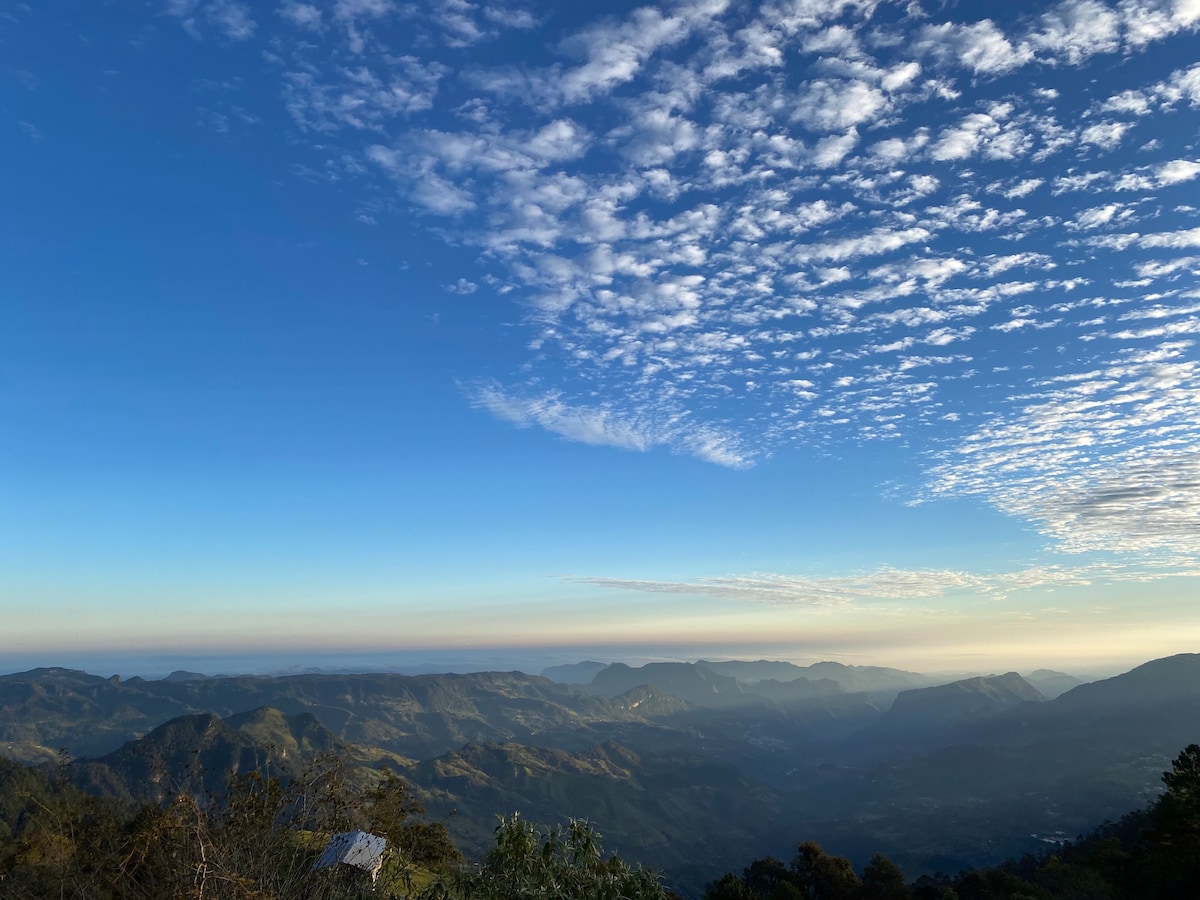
x,y
749,227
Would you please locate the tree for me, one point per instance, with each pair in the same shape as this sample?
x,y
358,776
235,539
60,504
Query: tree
x,y
560,863
728,887
389,808
883,880
823,877
764,876
1172,868
1183,788
257,839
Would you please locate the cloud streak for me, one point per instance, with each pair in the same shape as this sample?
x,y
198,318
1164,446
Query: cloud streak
x,y
892,586
608,426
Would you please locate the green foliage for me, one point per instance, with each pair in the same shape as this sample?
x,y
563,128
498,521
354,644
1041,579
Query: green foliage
x,y
728,887
1183,781
258,840
813,875
1173,834
763,877
883,880
1177,813
823,877
561,863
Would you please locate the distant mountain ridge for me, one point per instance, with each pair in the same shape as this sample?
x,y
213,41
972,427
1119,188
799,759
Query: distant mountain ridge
x,y
796,689
921,716
753,672
413,715
969,696
1165,680
943,776
694,683
574,673
732,683
879,680
1051,683
205,749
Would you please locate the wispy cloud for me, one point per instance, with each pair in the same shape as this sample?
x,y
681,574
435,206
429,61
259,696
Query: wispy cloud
x,y
228,18
1100,460
609,426
894,586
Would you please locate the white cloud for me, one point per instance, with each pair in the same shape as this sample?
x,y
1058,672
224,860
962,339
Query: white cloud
x,y
1070,33
1174,239
557,141
657,136
715,254
609,426
881,240
892,586
362,9
1131,102
1097,216
360,97
462,287
1106,135
1014,189
980,46
900,76
231,19
1177,170
891,151
831,150
1077,29
302,15
826,105
966,138
1103,460
615,53
430,190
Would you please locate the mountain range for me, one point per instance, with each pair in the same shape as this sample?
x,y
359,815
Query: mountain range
x,y
690,767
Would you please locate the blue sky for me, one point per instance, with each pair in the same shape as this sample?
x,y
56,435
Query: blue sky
x,y
855,329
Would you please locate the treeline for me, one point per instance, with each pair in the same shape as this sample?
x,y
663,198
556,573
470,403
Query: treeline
x,y
260,837
1153,854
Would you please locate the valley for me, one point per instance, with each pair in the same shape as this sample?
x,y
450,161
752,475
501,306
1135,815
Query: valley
x,y
690,768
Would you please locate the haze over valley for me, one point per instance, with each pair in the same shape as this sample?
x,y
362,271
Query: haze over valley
x,y
691,768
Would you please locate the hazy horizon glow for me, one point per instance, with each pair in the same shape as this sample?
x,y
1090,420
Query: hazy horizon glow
x,y
1082,659
860,329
